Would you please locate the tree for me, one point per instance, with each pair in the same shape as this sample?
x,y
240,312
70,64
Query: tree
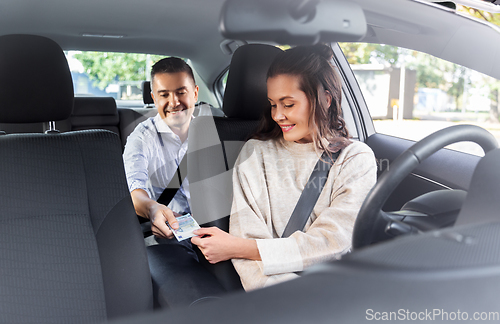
x,y
493,18
432,72
366,53
105,68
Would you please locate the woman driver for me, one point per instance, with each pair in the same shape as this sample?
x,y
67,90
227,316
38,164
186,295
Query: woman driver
x,y
274,166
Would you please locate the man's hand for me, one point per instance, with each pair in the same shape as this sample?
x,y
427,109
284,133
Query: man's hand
x,y
157,213
159,216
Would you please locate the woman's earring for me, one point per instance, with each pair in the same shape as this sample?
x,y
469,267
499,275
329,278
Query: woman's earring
x,y
329,98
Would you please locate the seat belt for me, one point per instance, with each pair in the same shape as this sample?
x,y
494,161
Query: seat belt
x,y
168,193
310,194
166,196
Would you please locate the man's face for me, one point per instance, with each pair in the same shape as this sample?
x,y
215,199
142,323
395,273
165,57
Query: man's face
x,y
174,95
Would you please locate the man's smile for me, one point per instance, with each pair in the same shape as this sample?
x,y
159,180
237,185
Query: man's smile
x,y
175,111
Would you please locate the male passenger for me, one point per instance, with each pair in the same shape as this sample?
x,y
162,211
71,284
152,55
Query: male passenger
x,y
156,147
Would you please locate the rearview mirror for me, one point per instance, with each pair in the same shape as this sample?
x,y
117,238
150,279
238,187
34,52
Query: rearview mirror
x,y
293,21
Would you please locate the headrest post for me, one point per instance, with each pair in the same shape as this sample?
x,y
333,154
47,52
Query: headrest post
x,y
52,128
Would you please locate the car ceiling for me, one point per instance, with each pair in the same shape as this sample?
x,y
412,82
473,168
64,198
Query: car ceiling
x,y
436,30
189,28
147,26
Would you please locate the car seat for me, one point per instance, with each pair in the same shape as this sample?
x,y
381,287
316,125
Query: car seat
x,y
71,248
95,113
215,142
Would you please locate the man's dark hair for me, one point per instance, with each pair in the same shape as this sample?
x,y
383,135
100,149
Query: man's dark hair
x,y
171,65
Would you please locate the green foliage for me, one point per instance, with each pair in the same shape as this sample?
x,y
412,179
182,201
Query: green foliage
x,y
494,86
432,72
105,68
357,53
284,47
365,53
493,18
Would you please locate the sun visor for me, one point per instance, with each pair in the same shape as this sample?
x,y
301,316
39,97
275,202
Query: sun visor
x,y
293,22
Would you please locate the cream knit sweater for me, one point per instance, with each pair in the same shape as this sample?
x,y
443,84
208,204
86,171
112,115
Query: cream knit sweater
x,y
268,178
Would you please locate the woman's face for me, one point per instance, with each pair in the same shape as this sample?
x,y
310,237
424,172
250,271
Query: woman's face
x,y
290,107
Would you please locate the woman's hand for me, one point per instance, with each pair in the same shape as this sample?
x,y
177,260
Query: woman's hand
x,y
217,245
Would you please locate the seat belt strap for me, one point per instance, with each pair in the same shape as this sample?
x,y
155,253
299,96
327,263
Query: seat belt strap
x,y
168,193
310,195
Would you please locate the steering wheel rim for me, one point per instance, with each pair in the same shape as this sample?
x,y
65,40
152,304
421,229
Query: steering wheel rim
x,y
371,217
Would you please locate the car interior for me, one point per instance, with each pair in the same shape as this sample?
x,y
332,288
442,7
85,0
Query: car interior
x,y
72,250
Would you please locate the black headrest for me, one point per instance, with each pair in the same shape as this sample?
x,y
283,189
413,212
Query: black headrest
x,y
94,106
35,81
246,91
146,93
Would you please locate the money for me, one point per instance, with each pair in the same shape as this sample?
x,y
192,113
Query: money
x,y
187,224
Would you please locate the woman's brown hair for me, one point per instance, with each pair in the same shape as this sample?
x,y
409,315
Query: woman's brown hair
x,y
318,78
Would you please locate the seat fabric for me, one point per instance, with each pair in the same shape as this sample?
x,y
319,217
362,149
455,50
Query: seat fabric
x,y
71,249
95,113
130,118
215,143
71,246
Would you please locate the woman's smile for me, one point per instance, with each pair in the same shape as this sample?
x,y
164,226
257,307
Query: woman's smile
x,y
286,128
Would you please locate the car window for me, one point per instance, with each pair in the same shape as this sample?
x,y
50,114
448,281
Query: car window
x,y
348,117
436,93
221,82
118,75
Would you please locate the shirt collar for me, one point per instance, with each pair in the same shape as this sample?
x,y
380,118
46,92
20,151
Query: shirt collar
x,y
161,126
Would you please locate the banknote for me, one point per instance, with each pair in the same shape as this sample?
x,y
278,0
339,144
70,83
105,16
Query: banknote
x,y
187,224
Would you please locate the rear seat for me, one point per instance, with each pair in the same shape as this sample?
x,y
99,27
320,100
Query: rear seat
x,y
95,112
88,113
99,113
130,118
146,94
22,128
102,113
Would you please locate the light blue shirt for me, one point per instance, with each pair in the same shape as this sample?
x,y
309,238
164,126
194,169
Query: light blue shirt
x,y
152,155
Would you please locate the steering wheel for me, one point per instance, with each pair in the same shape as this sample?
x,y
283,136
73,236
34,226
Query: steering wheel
x,y
371,220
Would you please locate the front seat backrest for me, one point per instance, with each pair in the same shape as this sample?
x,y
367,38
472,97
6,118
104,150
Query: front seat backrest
x,y
71,248
215,142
